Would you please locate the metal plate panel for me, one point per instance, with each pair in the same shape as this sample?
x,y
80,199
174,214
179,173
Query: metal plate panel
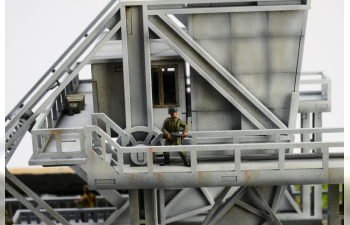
x,y
280,89
211,26
248,24
208,98
282,114
249,55
257,84
222,120
219,50
283,54
285,23
110,91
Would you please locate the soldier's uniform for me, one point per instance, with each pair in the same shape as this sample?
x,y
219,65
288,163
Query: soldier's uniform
x,y
173,125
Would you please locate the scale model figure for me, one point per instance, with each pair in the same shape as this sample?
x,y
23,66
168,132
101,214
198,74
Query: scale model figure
x,y
171,127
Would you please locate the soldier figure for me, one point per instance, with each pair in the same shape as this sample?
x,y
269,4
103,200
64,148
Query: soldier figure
x,y
87,201
172,125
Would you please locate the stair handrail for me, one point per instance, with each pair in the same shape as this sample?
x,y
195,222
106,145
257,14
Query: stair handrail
x,y
64,68
104,137
110,124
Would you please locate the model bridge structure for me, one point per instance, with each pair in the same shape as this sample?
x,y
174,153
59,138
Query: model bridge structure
x,y
233,69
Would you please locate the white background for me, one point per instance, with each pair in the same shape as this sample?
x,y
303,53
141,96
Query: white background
x,y
38,31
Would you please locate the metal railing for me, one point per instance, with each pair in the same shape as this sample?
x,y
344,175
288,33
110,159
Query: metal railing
x,y
44,128
12,204
104,122
41,138
308,102
238,149
70,214
64,64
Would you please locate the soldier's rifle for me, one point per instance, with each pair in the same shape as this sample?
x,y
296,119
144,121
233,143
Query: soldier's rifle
x,y
175,135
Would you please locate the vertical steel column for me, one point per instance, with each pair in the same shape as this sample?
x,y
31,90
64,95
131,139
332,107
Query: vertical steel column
x,y
317,122
333,204
150,207
134,66
305,199
134,207
150,199
147,60
161,203
305,123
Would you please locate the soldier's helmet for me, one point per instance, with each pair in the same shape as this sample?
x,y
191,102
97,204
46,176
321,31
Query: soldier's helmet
x,y
172,109
86,188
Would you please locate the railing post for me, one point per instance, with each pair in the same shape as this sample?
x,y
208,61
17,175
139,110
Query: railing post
x,y
103,146
59,102
305,123
317,122
325,158
49,119
54,110
58,142
277,138
38,138
281,158
238,160
193,161
82,140
108,129
150,161
120,161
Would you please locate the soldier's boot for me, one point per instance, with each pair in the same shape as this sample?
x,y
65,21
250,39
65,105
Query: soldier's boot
x,y
184,158
166,159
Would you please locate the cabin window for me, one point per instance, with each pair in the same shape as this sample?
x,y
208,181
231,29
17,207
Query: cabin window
x,y
165,91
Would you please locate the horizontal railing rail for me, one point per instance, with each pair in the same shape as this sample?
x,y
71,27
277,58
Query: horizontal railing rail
x,y
315,100
40,139
70,214
109,126
106,143
279,147
65,67
13,204
272,135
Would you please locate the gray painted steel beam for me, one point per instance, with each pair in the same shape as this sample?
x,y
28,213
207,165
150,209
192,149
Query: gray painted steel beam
x,y
82,34
77,52
200,60
229,9
333,204
216,205
227,205
215,179
30,193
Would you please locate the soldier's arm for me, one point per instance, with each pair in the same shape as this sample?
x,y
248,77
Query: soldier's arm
x,y
164,130
185,126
